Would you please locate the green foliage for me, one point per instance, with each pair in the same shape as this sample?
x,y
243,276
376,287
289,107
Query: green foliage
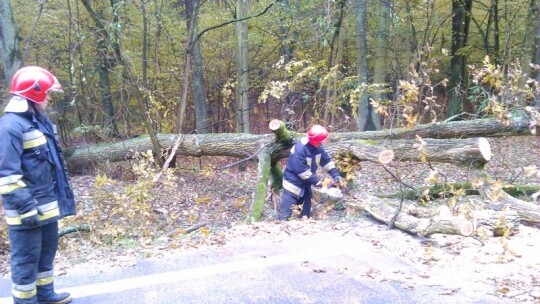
x,y
66,40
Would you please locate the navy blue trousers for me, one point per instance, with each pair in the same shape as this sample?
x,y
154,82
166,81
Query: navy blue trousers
x,y
32,252
289,199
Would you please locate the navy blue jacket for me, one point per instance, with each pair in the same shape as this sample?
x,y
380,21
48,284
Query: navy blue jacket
x,y
302,166
33,175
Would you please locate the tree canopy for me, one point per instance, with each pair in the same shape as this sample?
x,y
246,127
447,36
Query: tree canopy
x,y
123,63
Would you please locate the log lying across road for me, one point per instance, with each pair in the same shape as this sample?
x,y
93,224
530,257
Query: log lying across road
x,y
245,145
466,152
460,143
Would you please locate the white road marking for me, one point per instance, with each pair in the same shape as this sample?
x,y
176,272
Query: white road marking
x,y
200,272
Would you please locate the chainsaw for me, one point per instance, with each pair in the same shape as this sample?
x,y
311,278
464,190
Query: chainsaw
x,y
325,198
329,191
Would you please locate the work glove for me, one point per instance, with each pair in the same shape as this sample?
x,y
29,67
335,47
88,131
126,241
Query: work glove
x,y
31,221
30,215
318,185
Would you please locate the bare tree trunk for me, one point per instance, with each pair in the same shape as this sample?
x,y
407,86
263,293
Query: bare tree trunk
x,y
381,54
128,74
535,7
461,10
242,89
72,66
287,52
9,45
360,12
413,38
330,102
104,62
197,74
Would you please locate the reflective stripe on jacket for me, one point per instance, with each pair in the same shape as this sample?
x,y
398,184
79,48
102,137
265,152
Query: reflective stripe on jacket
x,y
33,178
302,166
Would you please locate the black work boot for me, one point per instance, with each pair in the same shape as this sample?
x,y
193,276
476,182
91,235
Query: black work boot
x,y
32,300
46,295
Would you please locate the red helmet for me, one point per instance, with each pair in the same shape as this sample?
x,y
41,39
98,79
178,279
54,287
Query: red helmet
x,y
316,135
33,83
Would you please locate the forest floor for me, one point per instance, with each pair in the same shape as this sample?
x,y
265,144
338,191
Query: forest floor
x,y
218,201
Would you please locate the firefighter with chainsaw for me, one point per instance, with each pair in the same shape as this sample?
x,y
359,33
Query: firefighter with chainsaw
x,y
34,185
300,172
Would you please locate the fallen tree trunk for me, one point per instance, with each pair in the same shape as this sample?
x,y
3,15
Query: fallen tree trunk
x,y
243,145
448,189
465,152
500,200
521,123
484,221
233,145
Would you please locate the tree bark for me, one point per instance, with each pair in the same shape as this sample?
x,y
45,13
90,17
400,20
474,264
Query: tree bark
x,y
234,145
381,54
464,152
536,50
500,200
104,62
461,12
245,145
9,46
438,222
197,73
461,152
521,123
261,188
360,13
242,88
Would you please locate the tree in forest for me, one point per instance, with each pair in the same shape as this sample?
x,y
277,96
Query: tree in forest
x,y
360,12
242,73
105,61
535,50
288,41
461,17
9,45
330,98
197,72
381,56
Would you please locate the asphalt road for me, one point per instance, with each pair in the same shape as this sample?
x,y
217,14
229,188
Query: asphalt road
x,y
319,268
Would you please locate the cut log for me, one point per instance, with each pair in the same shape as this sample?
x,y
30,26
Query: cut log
x,y
500,200
383,211
278,128
465,152
496,223
446,189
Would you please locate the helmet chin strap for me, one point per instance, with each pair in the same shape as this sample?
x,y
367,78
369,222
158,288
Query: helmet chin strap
x,y
32,106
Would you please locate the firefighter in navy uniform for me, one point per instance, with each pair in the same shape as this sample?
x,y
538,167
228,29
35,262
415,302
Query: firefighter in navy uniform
x,y
299,175
34,185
